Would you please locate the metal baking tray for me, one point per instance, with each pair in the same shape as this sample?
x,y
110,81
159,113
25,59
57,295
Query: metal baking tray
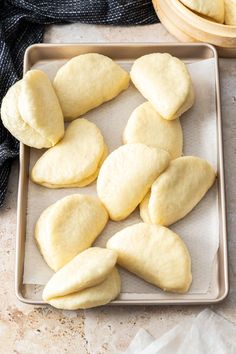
x,y
187,52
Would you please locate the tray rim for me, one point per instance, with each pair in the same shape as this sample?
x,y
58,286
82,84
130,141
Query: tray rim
x,y
20,239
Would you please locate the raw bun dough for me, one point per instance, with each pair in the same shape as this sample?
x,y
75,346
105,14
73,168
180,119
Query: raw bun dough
x,y
68,227
178,190
146,126
230,12
89,268
154,253
126,176
144,213
87,81
97,295
165,82
31,111
212,9
75,160
84,182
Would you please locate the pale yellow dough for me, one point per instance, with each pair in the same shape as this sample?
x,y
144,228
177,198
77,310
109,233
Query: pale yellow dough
x,y
212,9
84,182
31,111
144,213
87,81
165,82
74,161
146,126
68,227
178,190
88,269
230,12
126,176
97,295
154,253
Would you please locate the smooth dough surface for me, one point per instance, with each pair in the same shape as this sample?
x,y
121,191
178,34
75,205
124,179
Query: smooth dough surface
x,y
89,268
68,227
97,295
178,190
213,9
84,182
74,159
126,176
165,82
144,213
230,12
154,253
146,126
31,111
86,81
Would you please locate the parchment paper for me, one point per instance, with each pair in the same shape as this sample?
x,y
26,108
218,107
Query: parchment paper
x,y
207,333
199,229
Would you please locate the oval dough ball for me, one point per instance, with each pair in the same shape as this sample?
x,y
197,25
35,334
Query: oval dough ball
x,y
126,176
212,9
89,268
154,253
68,227
31,111
230,12
87,81
146,126
74,159
165,82
97,295
178,190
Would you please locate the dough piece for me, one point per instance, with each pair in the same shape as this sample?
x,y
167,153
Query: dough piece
x,y
126,176
31,111
85,181
230,12
212,9
97,295
146,126
87,81
154,253
74,159
89,268
165,82
178,190
68,227
144,213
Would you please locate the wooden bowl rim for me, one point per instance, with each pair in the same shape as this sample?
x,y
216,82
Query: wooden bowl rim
x,y
197,21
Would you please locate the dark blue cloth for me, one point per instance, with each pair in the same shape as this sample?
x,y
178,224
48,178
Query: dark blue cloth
x,y
22,24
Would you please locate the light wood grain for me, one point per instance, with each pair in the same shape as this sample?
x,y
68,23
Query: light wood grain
x,y
186,25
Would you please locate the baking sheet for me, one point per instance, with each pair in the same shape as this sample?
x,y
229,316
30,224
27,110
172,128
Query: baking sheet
x,y
199,230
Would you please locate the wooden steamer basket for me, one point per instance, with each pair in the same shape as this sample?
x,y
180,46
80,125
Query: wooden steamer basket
x,y
187,26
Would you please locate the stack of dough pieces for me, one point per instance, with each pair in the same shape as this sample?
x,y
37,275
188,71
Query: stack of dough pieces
x,y
31,111
75,161
68,227
165,82
126,176
87,81
177,191
154,253
90,279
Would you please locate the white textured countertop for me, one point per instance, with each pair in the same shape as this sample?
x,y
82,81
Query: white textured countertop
x,y
32,330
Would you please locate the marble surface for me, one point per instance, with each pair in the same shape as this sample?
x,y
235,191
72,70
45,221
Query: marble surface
x,y
26,329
